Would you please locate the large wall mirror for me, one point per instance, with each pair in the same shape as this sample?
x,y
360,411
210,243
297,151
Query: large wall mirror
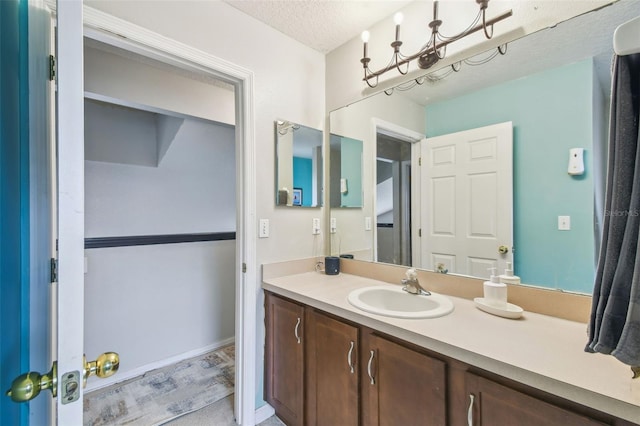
x,y
553,87
299,165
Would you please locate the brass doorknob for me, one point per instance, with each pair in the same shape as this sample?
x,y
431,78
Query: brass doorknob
x,y
27,386
503,249
104,366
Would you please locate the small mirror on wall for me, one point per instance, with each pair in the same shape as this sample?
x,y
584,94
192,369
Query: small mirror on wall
x,y
345,172
299,165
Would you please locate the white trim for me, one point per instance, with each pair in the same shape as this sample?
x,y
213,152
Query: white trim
x,y
140,371
264,412
107,28
70,138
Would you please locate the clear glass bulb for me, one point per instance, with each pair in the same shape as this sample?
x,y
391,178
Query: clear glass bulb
x,y
365,36
397,18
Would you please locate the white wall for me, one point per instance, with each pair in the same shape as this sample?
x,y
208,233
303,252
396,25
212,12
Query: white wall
x,y
289,84
345,73
151,303
193,189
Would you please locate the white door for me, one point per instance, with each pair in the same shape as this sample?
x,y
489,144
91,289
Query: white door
x,y
70,138
466,200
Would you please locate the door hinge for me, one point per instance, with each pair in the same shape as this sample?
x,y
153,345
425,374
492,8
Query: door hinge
x,y
419,232
244,267
419,161
52,67
54,270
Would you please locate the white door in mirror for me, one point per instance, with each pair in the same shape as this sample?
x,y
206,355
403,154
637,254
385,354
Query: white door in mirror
x,y
467,200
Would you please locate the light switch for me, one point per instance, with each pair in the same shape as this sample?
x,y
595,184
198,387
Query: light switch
x,y
367,223
315,229
564,223
334,225
264,228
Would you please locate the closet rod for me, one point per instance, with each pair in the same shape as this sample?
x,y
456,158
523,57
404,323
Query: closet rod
x,y
145,240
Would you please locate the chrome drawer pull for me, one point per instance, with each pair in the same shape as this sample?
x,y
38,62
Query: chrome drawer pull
x,y
349,361
296,331
373,382
470,411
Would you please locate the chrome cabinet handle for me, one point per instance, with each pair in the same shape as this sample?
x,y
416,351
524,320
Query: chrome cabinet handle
x,y
373,382
470,410
296,331
349,360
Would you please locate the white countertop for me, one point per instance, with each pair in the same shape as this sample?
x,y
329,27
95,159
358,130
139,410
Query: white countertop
x,y
538,350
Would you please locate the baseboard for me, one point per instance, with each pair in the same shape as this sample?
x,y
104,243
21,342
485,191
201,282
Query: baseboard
x,y
264,412
121,377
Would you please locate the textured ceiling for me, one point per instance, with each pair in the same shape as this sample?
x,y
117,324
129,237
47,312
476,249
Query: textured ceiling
x,y
320,24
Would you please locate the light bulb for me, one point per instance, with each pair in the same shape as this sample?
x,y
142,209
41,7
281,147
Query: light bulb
x,y
398,17
365,36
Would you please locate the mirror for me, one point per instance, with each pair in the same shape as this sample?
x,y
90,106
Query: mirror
x,y
299,165
345,172
554,86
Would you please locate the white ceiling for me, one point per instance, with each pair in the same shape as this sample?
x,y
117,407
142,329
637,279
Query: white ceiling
x,y
320,24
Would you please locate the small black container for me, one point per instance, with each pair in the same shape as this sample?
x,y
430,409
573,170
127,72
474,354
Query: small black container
x,y
332,265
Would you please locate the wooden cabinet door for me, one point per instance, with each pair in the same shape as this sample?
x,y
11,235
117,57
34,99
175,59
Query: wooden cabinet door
x,y
332,371
284,357
401,386
492,404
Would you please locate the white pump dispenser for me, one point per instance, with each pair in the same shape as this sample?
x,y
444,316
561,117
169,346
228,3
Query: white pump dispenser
x,y
495,292
508,277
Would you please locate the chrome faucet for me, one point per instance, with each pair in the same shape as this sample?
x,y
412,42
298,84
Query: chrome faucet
x,y
411,284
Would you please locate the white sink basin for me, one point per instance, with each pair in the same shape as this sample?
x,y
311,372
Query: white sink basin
x,y
392,301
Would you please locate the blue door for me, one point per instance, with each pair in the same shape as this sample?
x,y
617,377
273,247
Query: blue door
x,y
25,204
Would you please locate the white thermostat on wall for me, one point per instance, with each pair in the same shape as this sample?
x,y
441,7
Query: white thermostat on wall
x,y
576,161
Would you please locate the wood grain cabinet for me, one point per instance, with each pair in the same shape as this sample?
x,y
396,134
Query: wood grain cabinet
x,y
401,386
284,358
332,376
491,403
321,370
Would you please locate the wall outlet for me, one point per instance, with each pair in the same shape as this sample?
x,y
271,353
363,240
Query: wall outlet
x,y
264,228
367,223
334,225
564,223
315,230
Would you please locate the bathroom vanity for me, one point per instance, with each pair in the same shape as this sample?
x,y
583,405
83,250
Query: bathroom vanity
x,y
329,363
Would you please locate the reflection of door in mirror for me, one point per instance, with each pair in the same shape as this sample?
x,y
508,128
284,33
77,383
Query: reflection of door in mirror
x,y
393,200
467,193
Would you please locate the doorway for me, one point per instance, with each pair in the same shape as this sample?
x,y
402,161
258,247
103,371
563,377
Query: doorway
x,y
393,200
160,213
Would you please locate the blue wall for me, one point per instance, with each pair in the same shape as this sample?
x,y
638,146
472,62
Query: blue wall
x,y
302,178
14,205
551,111
351,170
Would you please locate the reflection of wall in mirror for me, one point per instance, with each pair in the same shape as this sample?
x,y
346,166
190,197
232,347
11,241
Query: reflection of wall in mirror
x,y
285,165
357,121
350,173
551,111
302,178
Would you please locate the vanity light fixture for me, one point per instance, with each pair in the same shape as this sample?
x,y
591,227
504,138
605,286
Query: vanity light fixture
x,y
434,50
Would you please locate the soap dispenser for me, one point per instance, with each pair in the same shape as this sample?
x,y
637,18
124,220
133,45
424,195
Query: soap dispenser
x,y
495,292
508,277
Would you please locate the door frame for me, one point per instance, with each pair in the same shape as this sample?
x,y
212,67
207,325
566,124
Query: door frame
x,y
120,33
